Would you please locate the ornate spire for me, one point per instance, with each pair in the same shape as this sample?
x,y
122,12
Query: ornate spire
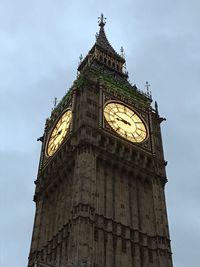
x,y
103,53
102,41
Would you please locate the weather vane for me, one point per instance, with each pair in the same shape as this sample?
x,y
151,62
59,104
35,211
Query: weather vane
x,y
102,20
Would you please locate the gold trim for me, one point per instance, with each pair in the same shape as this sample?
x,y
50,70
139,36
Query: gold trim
x,y
52,129
141,117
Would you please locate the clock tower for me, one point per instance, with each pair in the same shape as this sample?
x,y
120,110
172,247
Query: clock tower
x,y
100,199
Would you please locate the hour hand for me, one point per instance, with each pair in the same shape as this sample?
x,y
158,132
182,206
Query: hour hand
x,y
124,121
56,134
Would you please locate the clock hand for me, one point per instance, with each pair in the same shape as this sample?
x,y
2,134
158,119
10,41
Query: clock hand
x,y
124,121
120,117
58,133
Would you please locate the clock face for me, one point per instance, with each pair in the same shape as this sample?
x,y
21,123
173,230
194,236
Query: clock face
x,y
125,121
59,132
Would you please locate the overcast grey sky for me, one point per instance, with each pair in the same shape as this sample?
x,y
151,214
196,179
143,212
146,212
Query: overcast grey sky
x,y
40,43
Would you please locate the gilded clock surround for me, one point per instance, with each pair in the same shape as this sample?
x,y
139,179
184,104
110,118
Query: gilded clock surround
x,y
59,132
125,121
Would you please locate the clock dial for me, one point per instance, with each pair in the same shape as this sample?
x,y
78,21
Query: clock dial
x,y
59,132
125,121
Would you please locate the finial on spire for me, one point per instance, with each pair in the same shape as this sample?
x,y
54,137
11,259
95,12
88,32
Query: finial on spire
x,y
55,102
102,20
79,63
156,107
147,86
148,91
80,59
122,52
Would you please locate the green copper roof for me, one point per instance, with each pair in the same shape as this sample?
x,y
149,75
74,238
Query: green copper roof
x,y
125,89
